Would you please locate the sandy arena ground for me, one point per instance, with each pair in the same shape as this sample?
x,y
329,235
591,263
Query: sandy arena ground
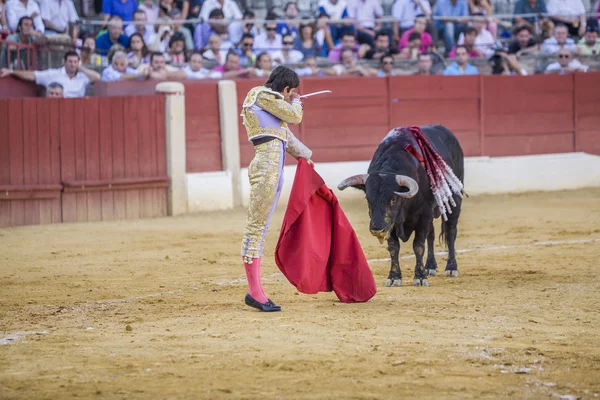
x,y
154,309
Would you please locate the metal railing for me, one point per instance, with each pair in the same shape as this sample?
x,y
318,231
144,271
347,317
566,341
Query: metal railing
x,y
19,56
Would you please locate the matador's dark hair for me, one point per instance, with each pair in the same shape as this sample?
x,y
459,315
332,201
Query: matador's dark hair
x,y
281,77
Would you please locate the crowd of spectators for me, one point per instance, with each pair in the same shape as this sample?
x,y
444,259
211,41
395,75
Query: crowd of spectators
x,y
214,39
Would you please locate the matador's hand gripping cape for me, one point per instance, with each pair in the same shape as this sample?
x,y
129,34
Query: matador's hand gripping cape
x,y
318,250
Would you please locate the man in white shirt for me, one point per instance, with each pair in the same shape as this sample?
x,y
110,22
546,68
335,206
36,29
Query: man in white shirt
x,y
73,77
140,25
366,14
405,12
195,68
560,40
231,10
566,64
16,9
484,42
568,12
287,54
118,70
57,15
269,40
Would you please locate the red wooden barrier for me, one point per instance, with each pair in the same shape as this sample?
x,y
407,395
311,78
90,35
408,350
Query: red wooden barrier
x,y
587,112
29,162
450,101
113,158
202,126
528,115
88,159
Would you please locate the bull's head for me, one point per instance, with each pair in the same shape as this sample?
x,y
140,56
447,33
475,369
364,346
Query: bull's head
x,y
385,195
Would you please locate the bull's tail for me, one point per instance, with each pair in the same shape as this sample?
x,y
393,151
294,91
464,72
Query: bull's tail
x,y
443,234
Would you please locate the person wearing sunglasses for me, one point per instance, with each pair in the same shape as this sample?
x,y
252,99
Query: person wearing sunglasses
x,y
269,40
287,55
386,67
565,64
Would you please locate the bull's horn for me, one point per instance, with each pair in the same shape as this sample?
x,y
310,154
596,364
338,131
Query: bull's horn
x,y
410,183
353,180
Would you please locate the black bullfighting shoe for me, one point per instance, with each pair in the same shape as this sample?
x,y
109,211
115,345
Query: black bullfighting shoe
x,y
269,306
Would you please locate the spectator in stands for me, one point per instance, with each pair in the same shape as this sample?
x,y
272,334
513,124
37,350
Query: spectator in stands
x,y
246,50
589,45
26,35
195,68
291,13
17,9
121,8
238,29
486,9
119,71
336,10
461,64
203,31
323,34
176,54
88,52
454,12
140,25
55,91
165,7
503,63
152,11
74,77
138,53
230,9
163,36
406,14
112,36
414,47
57,15
113,49
177,17
530,7
310,67
382,47
570,13
504,7
3,25
215,51
348,40
232,69
287,55
566,64
366,14
349,66
484,41
424,63
470,34
306,43
183,6
264,64
524,43
269,40
159,69
386,67
559,41
419,27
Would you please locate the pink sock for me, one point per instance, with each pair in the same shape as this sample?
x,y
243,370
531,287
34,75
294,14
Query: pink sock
x,y
254,284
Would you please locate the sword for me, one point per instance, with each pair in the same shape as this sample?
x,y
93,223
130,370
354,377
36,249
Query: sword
x,y
315,93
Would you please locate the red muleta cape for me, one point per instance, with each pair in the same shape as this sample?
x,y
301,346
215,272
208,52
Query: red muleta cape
x,y
318,250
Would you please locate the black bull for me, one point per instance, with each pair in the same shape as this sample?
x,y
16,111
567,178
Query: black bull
x,y
401,201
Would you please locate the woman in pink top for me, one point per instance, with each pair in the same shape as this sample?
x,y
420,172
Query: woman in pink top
x,y
420,25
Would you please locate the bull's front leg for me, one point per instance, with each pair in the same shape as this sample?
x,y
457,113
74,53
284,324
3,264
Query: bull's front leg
x,y
395,276
419,249
431,265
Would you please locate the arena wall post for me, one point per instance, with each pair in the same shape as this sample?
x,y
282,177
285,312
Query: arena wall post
x,y
177,195
230,142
